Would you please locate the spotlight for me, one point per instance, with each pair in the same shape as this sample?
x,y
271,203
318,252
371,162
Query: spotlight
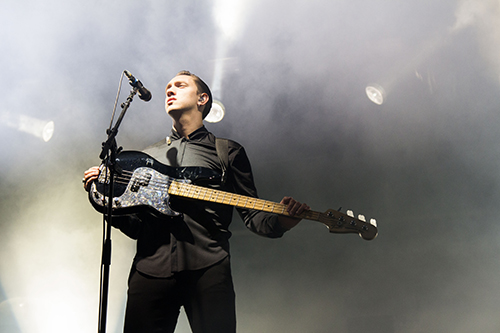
x,y
42,129
375,93
230,16
217,112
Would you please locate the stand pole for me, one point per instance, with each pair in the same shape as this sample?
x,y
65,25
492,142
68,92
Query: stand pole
x,y
108,155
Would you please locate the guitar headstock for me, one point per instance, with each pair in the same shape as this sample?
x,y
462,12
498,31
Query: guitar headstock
x,y
338,222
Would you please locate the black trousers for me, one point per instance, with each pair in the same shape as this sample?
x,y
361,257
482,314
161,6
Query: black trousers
x,y
208,297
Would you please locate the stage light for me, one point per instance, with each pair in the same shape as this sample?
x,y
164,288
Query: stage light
x,y
375,93
42,129
467,14
217,112
229,16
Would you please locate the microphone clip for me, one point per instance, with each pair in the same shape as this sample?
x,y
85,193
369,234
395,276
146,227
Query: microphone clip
x,y
144,93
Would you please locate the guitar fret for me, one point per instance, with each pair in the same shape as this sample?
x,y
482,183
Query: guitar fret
x,y
260,204
187,192
225,200
249,201
204,192
229,199
211,195
195,190
172,188
269,207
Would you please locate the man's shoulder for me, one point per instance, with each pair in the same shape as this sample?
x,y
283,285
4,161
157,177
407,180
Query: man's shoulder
x,y
156,145
157,150
231,144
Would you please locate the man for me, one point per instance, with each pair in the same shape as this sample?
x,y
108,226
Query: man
x,y
184,260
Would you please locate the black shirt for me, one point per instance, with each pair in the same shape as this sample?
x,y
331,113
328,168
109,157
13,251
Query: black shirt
x,y
200,236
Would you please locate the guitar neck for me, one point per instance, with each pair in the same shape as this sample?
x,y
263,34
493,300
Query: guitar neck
x,y
236,200
336,221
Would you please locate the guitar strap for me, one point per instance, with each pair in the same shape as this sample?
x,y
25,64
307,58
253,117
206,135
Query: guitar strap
x,y
221,145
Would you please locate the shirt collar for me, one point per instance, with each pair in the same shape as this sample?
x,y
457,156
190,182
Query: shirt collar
x,y
199,134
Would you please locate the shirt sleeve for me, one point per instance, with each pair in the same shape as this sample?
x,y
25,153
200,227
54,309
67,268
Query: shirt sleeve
x,y
262,223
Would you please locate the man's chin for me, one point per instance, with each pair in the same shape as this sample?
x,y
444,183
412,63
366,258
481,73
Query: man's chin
x,y
173,112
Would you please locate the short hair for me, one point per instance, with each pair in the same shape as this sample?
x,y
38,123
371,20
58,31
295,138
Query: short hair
x,y
203,88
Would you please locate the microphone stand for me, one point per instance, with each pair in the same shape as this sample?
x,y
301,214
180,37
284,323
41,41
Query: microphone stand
x,y
108,156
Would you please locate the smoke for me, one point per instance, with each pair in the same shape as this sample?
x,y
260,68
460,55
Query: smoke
x,y
470,13
482,16
292,77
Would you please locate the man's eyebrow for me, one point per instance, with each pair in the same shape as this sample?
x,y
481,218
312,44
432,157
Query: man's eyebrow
x,y
176,83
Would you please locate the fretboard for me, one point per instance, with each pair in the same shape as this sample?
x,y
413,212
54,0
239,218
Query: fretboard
x,y
232,199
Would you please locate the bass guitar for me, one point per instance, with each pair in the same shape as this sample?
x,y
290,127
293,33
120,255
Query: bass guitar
x,y
143,183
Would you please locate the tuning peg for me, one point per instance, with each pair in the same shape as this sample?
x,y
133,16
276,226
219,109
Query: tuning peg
x,y
350,213
373,222
361,218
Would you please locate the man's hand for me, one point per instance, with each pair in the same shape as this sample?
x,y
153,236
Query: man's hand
x,y
293,208
90,175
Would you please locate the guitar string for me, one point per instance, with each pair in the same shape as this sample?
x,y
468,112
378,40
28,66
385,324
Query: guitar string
x,y
158,184
161,184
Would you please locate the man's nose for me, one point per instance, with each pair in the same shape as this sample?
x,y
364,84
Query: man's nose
x,y
170,92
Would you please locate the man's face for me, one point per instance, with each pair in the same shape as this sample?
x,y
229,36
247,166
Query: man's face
x,y
181,94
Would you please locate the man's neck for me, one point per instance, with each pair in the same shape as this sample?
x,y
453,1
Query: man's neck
x,y
186,124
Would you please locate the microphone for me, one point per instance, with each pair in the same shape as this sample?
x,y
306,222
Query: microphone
x,y
144,94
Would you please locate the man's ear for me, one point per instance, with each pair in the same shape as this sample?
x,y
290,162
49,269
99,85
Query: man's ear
x,y
203,99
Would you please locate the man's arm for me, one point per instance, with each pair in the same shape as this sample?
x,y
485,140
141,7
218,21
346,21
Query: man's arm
x,y
293,208
130,225
262,223
89,175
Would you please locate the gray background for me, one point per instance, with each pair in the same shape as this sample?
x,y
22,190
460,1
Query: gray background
x,y
424,163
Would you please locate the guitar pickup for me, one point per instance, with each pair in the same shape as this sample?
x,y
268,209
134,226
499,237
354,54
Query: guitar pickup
x,y
141,180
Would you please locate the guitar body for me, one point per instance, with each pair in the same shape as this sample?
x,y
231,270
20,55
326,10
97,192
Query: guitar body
x,y
141,184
